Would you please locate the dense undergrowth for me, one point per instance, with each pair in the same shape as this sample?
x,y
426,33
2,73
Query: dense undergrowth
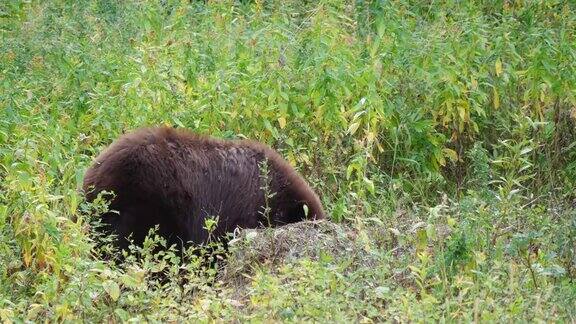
x,y
440,135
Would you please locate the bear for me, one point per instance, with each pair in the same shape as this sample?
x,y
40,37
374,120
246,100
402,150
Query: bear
x,y
175,179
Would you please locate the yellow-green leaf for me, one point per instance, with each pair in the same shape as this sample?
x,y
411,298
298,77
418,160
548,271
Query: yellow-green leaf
x,y
462,112
112,288
440,158
73,203
353,128
498,67
451,154
542,95
27,257
480,257
370,185
474,84
370,137
496,99
282,122
421,239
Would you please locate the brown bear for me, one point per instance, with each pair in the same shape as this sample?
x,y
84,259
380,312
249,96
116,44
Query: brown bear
x,y
176,179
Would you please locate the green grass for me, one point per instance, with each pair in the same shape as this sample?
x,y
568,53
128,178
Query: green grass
x,y
440,135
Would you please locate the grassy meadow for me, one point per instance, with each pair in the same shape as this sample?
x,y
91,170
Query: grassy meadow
x,y
440,135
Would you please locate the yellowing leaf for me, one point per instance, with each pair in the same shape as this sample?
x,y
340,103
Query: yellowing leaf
x,y
498,66
292,159
27,257
431,231
364,240
112,288
462,112
353,128
73,203
370,185
370,137
439,158
480,257
496,99
282,122
474,84
542,95
451,154
475,126
449,105
33,310
421,239
380,148
304,158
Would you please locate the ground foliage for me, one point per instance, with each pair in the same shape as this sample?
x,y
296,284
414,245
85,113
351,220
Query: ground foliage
x,y
440,135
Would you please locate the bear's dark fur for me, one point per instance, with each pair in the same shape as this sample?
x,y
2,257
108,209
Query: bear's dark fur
x,y
176,179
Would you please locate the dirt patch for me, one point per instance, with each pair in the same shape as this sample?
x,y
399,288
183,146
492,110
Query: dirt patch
x,y
305,240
